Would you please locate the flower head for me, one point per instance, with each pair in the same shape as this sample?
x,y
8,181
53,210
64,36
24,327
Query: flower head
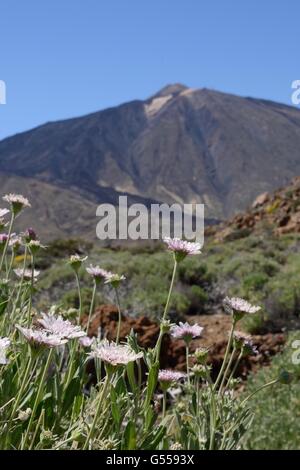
x,y
3,240
239,307
56,325
182,248
3,212
114,279
98,273
15,242
86,341
39,339
29,235
186,331
115,355
244,343
17,202
4,345
170,376
27,274
34,246
76,261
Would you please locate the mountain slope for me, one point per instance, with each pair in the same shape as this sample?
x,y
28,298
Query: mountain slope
x,y
181,145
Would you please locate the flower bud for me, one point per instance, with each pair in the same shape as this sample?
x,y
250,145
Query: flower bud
x,y
201,355
285,377
75,262
24,415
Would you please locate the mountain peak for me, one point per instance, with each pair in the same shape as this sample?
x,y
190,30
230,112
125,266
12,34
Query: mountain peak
x,y
171,89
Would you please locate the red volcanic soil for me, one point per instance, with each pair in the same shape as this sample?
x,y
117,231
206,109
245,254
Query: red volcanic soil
x,y
214,337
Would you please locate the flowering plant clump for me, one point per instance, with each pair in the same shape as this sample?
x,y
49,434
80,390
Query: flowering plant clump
x,y
50,400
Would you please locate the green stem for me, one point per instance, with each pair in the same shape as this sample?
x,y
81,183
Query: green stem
x,y
166,310
236,365
92,428
37,398
225,356
119,317
213,411
7,241
187,353
164,403
31,292
80,298
227,370
91,307
258,390
19,396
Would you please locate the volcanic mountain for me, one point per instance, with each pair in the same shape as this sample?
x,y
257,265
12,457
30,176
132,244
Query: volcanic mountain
x,y
181,145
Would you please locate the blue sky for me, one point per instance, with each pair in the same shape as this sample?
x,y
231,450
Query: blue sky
x,y
64,58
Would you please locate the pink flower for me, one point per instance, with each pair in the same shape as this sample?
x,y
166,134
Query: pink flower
x,y
40,338
3,238
4,344
114,354
244,342
182,248
237,304
60,327
170,376
86,342
186,331
98,273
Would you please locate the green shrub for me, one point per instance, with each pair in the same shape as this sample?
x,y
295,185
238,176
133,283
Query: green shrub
x,y
276,423
197,299
254,281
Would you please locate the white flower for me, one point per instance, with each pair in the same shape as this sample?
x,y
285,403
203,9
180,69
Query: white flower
x,y
40,338
114,279
4,344
27,274
15,241
17,202
114,354
60,327
76,261
3,212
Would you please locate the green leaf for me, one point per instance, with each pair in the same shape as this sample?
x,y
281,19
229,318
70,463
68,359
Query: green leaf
x,y
131,376
129,437
114,407
70,394
152,382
